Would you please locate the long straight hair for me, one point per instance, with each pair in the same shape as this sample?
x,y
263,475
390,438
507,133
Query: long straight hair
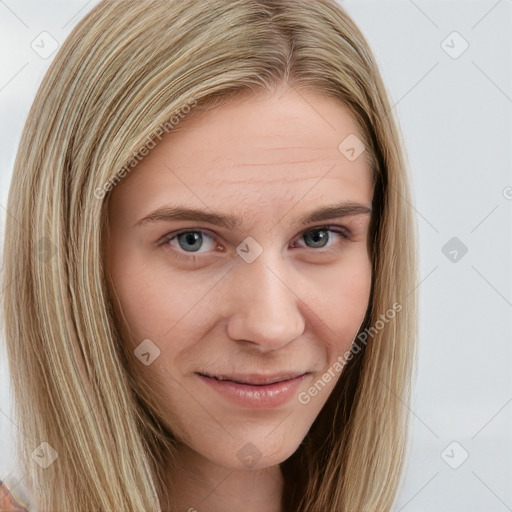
x,y
127,69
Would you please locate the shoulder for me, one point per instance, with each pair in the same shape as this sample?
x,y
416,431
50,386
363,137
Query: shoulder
x,y
9,502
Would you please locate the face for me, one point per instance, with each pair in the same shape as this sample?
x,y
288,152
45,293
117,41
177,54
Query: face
x,y
251,286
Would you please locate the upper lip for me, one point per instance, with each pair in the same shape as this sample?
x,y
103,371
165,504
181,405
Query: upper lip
x,y
255,378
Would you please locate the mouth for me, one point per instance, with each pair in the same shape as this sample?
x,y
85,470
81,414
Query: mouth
x,y
253,390
256,379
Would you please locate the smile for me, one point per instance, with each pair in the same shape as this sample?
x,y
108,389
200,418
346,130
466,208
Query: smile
x,y
255,392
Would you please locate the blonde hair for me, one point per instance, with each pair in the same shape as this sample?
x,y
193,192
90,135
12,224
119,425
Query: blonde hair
x,y
125,70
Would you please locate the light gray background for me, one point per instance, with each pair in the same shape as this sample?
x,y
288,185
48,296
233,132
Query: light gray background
x,y
455,114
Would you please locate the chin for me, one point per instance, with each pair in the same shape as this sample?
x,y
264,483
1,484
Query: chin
x,y
248,455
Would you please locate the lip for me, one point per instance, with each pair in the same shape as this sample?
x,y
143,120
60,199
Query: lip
x,y
272,391
255,379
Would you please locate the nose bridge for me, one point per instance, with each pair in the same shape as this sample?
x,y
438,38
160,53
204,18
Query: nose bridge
x,y
263,306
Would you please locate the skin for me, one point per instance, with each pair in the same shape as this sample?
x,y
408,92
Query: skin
x,y
267,159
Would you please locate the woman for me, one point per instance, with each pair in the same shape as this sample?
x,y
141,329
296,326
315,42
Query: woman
x,y
267,370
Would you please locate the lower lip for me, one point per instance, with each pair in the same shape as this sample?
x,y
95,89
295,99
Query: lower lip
x,y
246,395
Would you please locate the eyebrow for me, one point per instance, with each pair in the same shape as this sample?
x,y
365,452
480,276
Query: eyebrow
x,y
230,222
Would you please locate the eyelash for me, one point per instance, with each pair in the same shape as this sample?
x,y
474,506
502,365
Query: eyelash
x,y
193,257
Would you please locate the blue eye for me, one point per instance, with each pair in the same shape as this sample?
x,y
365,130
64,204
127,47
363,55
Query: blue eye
x,y
187,243
320,236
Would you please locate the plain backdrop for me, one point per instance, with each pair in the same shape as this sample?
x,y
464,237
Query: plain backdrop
x,y
448,68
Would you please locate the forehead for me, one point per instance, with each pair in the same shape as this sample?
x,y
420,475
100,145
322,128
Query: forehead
x,y
264,130
255,150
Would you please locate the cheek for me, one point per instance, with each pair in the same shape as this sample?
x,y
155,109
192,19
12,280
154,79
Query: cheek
x,y
341,307
355,286
345,290
155,302
341,300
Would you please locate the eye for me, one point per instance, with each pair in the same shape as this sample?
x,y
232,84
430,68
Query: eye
x,y
319,237
191,240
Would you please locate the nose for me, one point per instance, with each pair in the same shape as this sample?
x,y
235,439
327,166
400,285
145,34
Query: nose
x,y
264,308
